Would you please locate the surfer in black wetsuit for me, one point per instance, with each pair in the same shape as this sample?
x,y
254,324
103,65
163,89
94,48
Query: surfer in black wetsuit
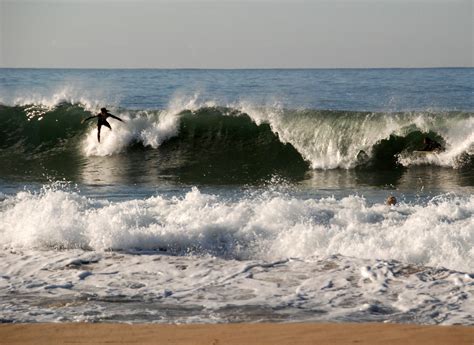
x,y
431,145
102,120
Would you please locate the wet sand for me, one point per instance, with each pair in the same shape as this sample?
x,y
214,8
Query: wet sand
x,y
233,334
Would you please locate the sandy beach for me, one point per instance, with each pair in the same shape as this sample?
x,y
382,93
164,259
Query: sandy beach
x,y
261,334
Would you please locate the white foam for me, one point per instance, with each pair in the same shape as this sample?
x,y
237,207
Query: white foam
x,y
269,226
72,285
90,100
150,128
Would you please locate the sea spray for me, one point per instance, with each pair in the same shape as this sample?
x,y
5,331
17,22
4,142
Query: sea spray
x,y
271,226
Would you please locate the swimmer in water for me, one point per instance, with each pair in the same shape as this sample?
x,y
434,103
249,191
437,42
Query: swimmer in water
x,y
102,120
391,201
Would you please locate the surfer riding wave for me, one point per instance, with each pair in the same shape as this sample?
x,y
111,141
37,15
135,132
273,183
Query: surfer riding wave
x,y
102,120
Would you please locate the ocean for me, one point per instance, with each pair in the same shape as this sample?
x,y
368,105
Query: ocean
x,y
237,196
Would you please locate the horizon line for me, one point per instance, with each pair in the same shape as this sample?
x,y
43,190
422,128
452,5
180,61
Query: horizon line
x,y
237,68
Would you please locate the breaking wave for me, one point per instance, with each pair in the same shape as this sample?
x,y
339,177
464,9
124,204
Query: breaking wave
x,y
241,136
270,225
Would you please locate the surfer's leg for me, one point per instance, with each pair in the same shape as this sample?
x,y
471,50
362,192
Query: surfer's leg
x,y
98,132
106,124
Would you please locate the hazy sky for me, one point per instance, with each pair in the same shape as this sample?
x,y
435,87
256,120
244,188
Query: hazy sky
x,y
236,34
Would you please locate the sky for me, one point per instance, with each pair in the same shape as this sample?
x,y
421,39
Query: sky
x,y
236,34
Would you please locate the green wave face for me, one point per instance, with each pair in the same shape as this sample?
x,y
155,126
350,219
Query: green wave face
x,y
221,144
35,131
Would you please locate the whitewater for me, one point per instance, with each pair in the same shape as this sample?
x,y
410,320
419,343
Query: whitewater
x,y
220,200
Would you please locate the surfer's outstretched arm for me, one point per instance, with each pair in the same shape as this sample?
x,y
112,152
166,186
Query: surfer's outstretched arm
x,y
90,117
115,117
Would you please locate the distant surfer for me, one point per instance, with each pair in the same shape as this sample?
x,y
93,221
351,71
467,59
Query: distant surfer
x,y
431,145
102,120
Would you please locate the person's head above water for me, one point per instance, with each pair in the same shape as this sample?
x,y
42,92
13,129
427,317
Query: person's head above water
x,y
103,110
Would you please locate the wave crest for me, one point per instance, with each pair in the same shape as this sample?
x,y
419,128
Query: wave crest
x,y
322,138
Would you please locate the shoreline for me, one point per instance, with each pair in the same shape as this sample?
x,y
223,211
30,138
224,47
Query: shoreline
x,y
233,334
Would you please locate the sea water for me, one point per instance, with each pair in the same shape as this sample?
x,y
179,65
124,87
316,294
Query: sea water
x,y
237,196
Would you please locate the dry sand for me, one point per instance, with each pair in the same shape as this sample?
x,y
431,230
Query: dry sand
x,y
242,334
